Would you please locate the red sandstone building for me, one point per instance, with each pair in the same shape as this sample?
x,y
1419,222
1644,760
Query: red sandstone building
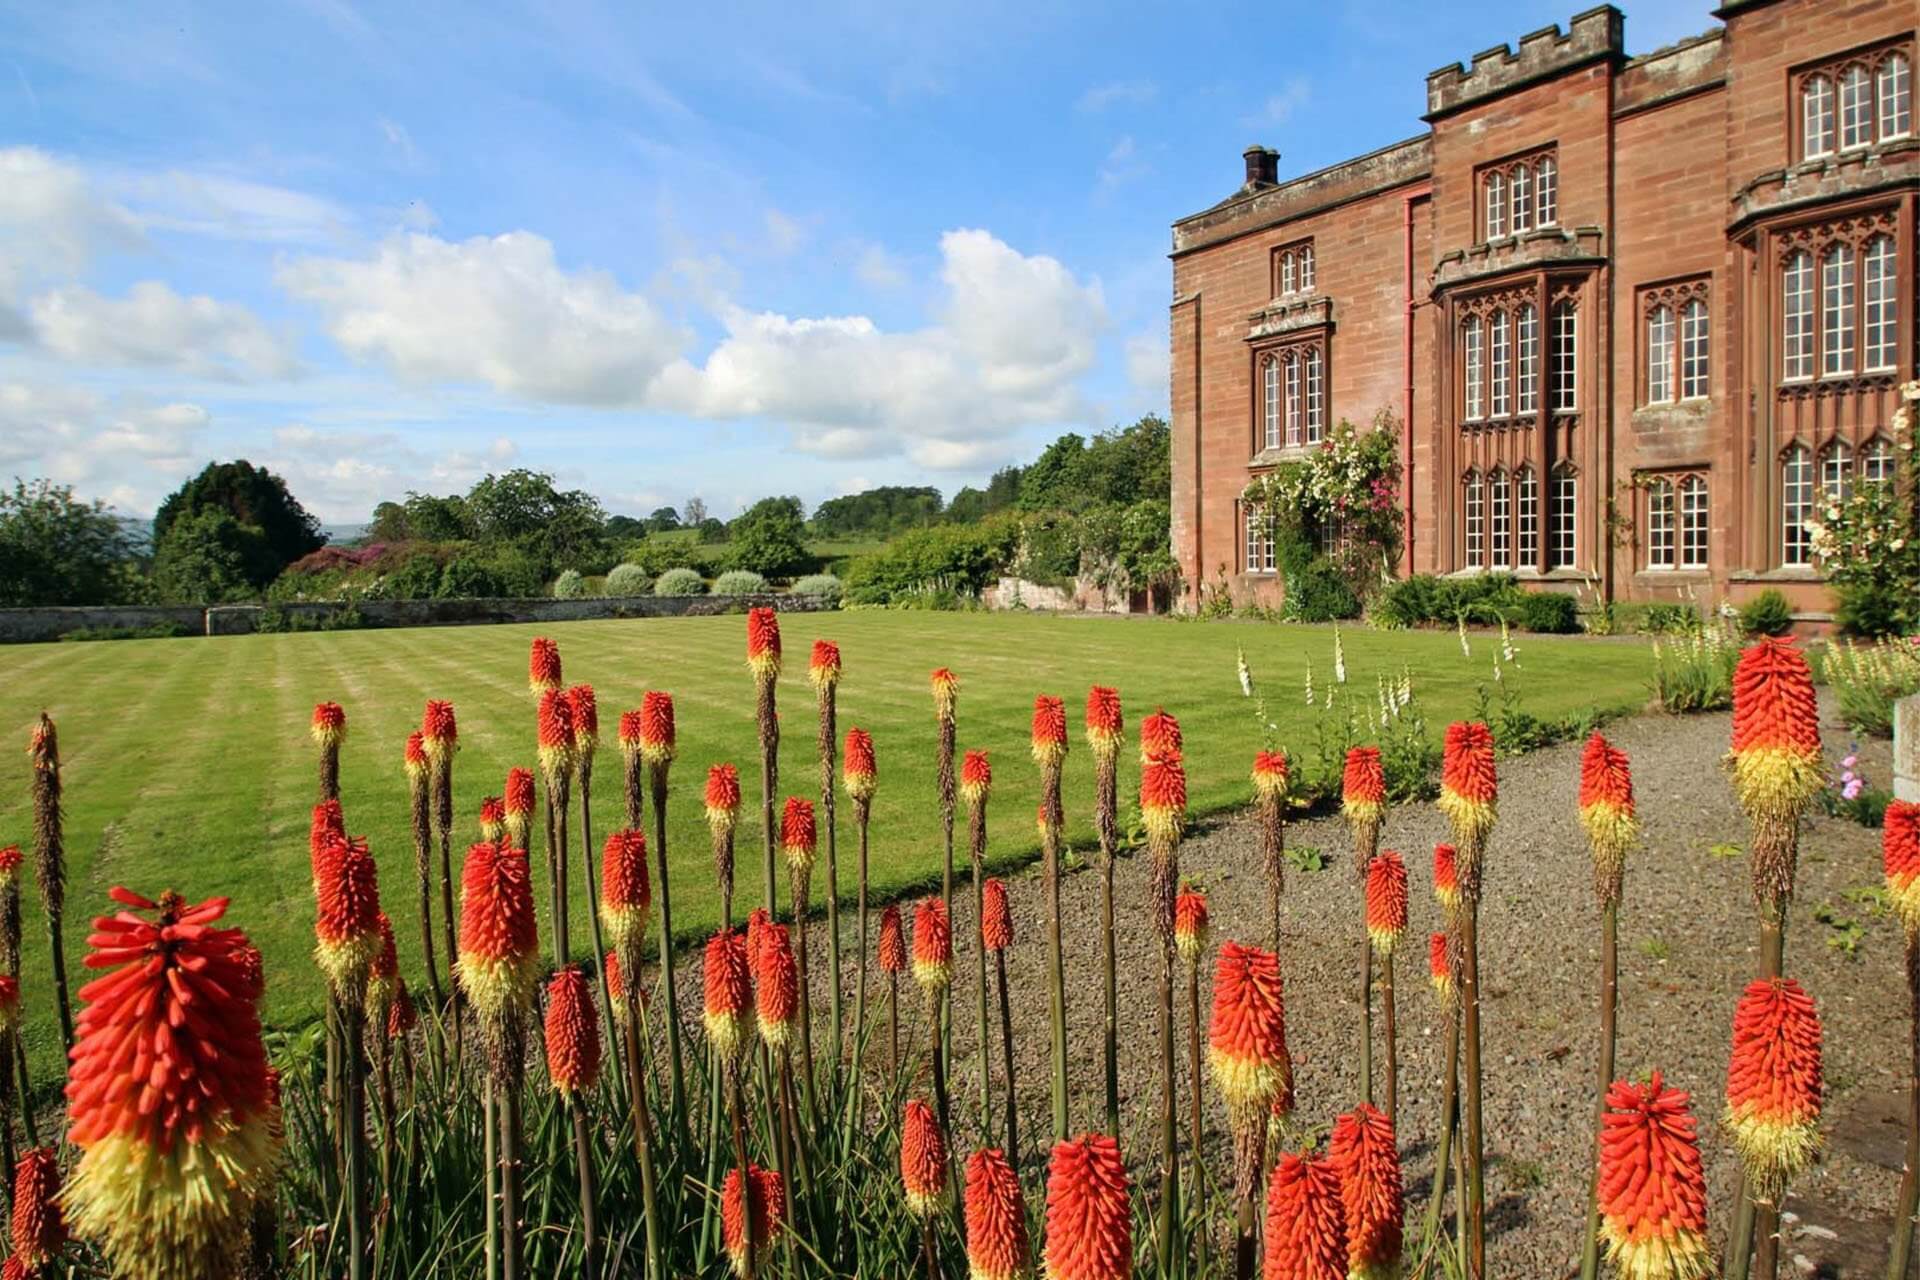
x,y
1633,314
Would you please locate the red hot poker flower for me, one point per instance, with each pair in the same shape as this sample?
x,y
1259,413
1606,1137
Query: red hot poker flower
x,y
543,666
1364,1152
586,719
626,894
439,730
518,805
555,737
858,772
1159,736
1469,786
1306,1221
499,943
799,836
728,987
402,1017
997,1247
1653,1194
923,1158
414,758
329,726
1190,924
347,928
168,1096
572,1034
1440,969
1049,730
1606,797
893,944
326,826
9,1002
1774,1087
1163,797
630,733
1386,900
1900,859
776,986
657,740
748,1221
1446,877
996,916
1363,787
976,777
1247,1036
39,1227
1104,723
823,668
722,797
763,642
1270,772
383,975
946,690
757,922
932,945
493,818
1776,731
1089,1217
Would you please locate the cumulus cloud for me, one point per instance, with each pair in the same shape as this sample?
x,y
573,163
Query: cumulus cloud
x,y
879,269
52,225
497,310
1005,351
155,327
341,475
130,452
1149,364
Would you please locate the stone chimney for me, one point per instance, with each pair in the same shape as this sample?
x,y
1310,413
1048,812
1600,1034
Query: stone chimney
x,y
1263,167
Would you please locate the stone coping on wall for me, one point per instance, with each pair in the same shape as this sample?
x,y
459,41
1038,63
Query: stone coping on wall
x,y
25,625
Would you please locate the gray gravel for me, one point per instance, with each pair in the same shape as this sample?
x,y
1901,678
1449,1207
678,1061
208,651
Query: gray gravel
x,y
1687,945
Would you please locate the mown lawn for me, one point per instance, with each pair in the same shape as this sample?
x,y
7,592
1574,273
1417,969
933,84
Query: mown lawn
x,y
188,765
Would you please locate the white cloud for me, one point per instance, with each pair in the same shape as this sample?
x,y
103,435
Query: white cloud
x,y
400,142
130,452
1150,364
52,220
1123,164
879,269
228,207
156,327
1280,108
1015,334
785,234
497,310
1117,93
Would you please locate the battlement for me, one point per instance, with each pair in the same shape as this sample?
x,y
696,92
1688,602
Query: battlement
x,y
1597,33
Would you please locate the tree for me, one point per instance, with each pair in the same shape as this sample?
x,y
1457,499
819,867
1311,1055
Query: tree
x,y
694,514
770,538
663,520
56,549
389,523
208,557
1053,482
255,498
627,529
563,528
432,519
877,513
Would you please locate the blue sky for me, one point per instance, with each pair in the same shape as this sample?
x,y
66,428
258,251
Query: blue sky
x,y
724,250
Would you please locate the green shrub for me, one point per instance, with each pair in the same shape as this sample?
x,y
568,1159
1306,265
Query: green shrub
x,y
659,553
1425,599
1549,612
943,560
518,572
1867,679
569,585
739,582
820,586
415,578
1874,608
629,580
465,578
1694,672
680,582
1766,614
1671,620
1321,594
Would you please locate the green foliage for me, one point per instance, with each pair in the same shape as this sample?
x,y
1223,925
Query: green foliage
x,y
152,631
1348,487
655,555
570,585
468,578
629,580
1694,672
273,619
1767,614
1049,550
55,549
1867,679
1868,541
253,498
945,560
522,508
877,513
770,538
418,577
680,582
208,557
1320,593
1549,612
820,586
1876,608
1671,620
970,505
739,582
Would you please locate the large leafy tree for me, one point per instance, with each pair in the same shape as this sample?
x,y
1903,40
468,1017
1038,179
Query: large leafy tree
x,y
565,528
255,498
878,513
770,537
56,549
208,557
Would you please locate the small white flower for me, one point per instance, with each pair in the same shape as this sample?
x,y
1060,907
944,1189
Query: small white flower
x,y
1246,676
1339,657
1466,650
1309,681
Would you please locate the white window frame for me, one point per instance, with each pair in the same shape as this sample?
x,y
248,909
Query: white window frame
x,y
1316,396
1500,522
1880,299
1856,107
1563,369
1546,193
1473,339
1695,521
1796,316
1290,369
1520,183
1526,524
1287,285
1270,406
1796,505
1526,364
1817,124
1259,540
1837,301
1836,471
1660,354
1496,204
1662,525
1475,512
1876,460
1563,518
1893,91
1306,267
1499,360
1696,350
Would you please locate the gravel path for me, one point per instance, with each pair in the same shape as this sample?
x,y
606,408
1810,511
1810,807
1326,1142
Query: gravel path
x,y
1687,945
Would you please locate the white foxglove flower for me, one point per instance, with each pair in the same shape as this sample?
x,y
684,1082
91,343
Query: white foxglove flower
x,y
1339,657
1246,676
1466,650
1309,681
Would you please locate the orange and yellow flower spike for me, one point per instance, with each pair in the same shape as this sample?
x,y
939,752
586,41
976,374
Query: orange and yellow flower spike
x,y
39,1228
347,926
1653,1193
750,1216
1364,1152
932,945
997,1246
518,806
543,667
1105,726
1089,1213
1386,900
996,916
1900,860
499,944
776,990
1774,1086
329,726
658,743
572,1034
1049,732
892,947
923,1159
976,777
556,749
1607,813
728,983
763,643
799,834
858,773
823,667
1306,1236
626,892
1247,1035
1190,924
1776,732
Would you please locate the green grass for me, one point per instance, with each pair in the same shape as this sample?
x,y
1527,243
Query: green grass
x,y
188,765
